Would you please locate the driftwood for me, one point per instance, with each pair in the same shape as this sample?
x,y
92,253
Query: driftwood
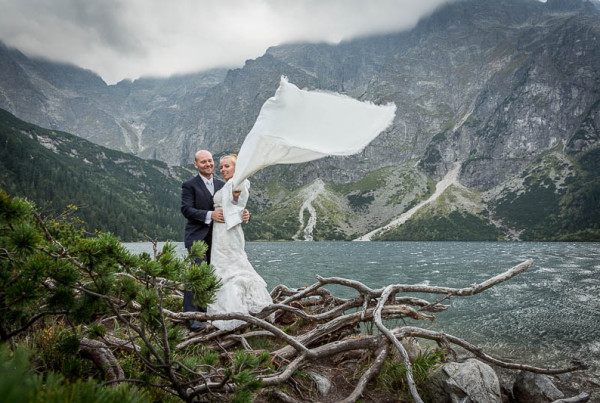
x,y
103,357
331,329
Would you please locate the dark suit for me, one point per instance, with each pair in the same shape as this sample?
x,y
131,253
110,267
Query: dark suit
x,y
196,203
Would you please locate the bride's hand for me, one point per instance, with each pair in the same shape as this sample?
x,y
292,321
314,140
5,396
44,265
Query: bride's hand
x,y
217,215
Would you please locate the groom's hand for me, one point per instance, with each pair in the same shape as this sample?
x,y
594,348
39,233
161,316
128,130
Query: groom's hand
x,y
246,216
217,215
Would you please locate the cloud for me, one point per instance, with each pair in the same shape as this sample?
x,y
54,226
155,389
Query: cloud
x,y
132,38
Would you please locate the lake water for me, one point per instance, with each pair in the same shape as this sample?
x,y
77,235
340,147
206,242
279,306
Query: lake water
x,y
549,314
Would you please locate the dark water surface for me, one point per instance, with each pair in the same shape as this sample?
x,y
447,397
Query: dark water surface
x,y
547,315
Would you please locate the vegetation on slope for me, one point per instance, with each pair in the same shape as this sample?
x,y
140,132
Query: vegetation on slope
x,y
114,192
559,199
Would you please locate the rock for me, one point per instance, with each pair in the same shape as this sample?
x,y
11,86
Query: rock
x,y
469,382
580,398
565,377
535,388
323,384
412,347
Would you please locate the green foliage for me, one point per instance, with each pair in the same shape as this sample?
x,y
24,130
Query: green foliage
x,y
372,181
545,211
19,383
455,226
411,183
392,377
209,357
274,225
361,200
50,270
535,209
113,191
240,373
198,357
587,235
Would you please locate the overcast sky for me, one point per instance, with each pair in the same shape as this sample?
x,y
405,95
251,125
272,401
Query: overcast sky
x,y
131,38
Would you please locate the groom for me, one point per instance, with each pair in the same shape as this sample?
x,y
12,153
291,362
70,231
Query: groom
x,y
197,206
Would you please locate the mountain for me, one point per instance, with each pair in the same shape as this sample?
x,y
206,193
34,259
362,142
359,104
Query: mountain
x,y
130,116
496,135
112,191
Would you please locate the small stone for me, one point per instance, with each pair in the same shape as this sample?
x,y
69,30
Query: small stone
x,y
323,384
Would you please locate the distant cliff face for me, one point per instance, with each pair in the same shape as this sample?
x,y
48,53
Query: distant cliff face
x,y
490,83
130,116
491,86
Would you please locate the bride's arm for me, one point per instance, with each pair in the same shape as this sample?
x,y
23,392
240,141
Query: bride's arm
x,y
232,212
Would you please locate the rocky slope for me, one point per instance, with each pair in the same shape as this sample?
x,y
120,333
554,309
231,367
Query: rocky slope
x,y
129,116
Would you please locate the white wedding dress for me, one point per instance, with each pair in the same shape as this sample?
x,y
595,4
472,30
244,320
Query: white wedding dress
x,y
243,289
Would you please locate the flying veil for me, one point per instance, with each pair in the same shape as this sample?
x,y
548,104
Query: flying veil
x,y
297,126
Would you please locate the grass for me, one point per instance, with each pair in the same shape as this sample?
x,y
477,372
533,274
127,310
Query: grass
x,y
392,377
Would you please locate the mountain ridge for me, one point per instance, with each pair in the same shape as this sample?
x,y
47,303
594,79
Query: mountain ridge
x,y
493,86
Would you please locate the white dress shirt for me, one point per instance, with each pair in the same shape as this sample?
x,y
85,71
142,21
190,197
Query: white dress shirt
x,y
211,188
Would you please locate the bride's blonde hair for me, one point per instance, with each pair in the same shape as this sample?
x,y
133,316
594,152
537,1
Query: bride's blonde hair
x,y
232,157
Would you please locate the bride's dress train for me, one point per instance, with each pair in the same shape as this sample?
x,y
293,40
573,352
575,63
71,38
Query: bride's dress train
x,y
243,289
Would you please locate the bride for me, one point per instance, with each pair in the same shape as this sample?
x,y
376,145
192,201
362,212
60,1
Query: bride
x,y
243,290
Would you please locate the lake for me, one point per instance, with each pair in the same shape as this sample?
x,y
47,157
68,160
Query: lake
x,y
549,314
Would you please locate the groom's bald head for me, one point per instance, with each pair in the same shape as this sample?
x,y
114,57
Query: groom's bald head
x,y
203,161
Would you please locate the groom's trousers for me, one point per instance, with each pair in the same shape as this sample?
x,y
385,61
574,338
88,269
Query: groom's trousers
x,y
188,296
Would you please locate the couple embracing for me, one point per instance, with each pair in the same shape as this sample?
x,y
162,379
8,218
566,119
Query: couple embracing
x,y
214,213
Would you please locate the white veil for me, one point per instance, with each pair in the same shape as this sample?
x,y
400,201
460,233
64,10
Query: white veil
x,y
299,126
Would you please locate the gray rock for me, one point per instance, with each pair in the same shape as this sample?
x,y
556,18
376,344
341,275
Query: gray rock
x,y
580,398
469,382
412,347
535,388
323,384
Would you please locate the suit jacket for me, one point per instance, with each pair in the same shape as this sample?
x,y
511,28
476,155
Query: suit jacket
x,y
196,202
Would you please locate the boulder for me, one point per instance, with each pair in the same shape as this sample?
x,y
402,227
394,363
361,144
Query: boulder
x,y
471,381
535,388
322,382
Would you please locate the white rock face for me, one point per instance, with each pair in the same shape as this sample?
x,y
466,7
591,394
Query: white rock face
x,y
309,194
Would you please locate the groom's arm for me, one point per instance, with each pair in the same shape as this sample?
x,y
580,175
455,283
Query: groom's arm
x,y
187,205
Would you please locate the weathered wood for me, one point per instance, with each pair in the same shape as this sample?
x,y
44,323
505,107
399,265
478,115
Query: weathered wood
x,y
361,385
336,332
103,357
409,378
411,331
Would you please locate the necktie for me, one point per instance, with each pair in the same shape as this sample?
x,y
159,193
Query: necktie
x,y
210,187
